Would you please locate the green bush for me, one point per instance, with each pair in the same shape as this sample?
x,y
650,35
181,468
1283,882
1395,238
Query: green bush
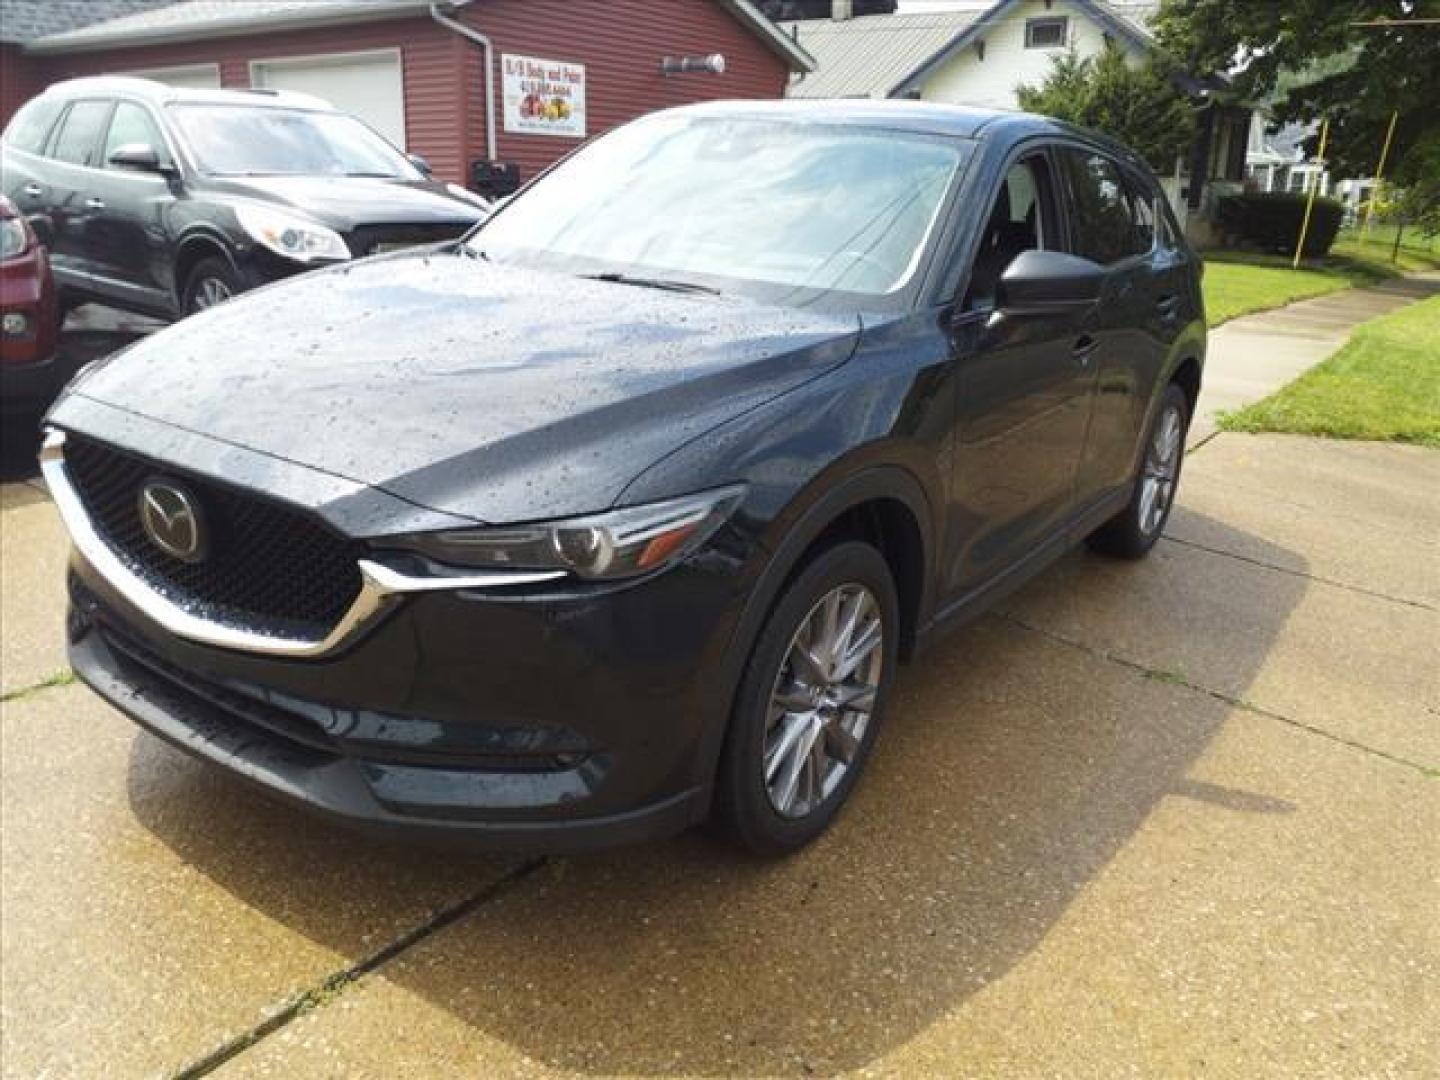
x,y
1271,221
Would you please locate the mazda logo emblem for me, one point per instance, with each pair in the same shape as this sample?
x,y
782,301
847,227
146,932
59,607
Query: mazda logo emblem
x,y
172,521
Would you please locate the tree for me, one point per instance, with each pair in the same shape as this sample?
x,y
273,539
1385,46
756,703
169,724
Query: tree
x,y
1311,60
1140,106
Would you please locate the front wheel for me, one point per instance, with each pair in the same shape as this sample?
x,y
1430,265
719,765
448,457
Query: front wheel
x,y
213,281
1131,533
810,702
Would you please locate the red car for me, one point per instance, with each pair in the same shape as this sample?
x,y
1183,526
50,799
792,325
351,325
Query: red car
x,y
29,318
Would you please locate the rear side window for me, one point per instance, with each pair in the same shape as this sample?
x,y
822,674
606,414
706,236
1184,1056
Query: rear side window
x,y
130,125
29,128
1105,222
78,139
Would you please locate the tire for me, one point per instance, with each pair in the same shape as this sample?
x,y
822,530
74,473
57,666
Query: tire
x,y
1131,533
212,280
749,806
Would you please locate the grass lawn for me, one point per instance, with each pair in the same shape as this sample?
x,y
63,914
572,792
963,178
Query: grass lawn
x,y
1384,384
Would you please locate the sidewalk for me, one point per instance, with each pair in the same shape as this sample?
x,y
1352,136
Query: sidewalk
x,y
1253,356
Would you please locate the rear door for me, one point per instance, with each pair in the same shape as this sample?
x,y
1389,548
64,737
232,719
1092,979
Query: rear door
x,y
1024,385
1113,225
74,153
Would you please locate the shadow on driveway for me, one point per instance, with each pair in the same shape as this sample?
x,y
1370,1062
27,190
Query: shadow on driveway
x,y
1012,769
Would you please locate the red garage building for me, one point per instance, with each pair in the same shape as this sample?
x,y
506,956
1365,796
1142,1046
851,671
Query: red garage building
x,y
456,81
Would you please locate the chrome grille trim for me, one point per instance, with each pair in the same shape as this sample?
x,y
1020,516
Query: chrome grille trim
x,y
381,586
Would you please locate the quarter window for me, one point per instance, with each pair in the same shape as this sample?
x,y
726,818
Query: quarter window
x,y
1046,33
79,134
32,124
1104,223
131,124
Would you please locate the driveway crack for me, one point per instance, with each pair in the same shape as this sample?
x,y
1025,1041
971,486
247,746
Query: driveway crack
x,y
336,983
1176,679
1422,605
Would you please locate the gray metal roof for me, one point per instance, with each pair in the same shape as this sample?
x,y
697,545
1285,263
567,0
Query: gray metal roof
x,y
869,55
190,20
26,20
194,20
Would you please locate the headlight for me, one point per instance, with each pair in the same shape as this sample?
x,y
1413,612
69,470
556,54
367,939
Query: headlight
x,y
290,235
13,239
618,544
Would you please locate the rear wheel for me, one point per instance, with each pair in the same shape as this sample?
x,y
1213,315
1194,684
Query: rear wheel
x,y
810,702
211,282
1131,533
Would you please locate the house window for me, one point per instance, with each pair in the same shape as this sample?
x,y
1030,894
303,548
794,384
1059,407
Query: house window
x,y
1046,33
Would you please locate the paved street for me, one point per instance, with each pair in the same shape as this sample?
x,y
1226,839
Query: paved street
x,y
1179,817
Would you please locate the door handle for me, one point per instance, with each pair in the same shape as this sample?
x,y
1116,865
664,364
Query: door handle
x,y
1168,306
33,190
94,203
1084,346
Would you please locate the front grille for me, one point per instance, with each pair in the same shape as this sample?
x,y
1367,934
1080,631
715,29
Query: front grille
x,y
268,568
372,239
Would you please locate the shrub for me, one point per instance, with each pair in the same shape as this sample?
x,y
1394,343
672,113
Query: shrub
x,y
1271,220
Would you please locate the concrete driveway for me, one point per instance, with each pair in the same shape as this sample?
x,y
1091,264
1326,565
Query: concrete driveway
x,y
1175,817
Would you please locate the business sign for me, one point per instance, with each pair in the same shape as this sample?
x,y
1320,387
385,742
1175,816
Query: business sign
x,y
543,97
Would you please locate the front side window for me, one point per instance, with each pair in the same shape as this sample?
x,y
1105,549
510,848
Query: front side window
x,y
1046,33
131,125
78,139
787,210
30,127
1019,221
240,140
1103,215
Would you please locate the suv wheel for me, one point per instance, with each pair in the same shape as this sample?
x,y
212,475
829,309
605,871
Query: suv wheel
x,y
810,702
1131,533
213,281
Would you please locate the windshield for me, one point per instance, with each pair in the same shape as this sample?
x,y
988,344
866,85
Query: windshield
x,y
234,140
793,209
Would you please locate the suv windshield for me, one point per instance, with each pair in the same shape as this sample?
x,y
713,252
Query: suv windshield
x,y
787,210
233,140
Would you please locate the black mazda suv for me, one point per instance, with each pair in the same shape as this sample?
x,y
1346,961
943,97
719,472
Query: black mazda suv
x,y
165,201
618,514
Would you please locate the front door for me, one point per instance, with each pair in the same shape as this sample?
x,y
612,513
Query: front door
x,y
1024,384
128,231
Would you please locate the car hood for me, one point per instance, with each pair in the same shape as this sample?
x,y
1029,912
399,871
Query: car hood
x,y
492,392
344,202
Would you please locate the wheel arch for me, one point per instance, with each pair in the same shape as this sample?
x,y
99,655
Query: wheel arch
x,y
189,252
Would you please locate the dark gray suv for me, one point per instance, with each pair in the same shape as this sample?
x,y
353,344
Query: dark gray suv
x,y
165,201
619,514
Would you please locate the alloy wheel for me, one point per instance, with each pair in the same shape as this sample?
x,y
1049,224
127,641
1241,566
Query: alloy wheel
x,y
822,701
209,292
1162,466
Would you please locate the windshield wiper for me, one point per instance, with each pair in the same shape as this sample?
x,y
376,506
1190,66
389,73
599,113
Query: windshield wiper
x,y
668,284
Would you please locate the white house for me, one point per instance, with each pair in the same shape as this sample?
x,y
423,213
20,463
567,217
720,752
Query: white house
x,y
979,54
976,55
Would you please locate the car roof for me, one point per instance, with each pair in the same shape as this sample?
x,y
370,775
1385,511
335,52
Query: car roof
x,y
159,93
926,117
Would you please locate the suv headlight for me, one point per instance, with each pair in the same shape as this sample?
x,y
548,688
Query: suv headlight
x,y
617,544
290,235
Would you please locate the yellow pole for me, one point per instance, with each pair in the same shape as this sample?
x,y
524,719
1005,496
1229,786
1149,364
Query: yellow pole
x,y
1379,176
1310,202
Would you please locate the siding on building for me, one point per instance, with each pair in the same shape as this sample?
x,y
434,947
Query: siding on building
x,y
991,82
620,43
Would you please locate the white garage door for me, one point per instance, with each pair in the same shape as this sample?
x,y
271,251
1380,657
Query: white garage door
x,y
369,85
190,77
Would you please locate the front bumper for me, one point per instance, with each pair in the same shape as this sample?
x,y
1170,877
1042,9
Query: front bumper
x,y
543,721
31,385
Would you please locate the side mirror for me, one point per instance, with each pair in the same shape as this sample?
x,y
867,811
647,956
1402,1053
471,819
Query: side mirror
x,y
141,157
421,164
1048,283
